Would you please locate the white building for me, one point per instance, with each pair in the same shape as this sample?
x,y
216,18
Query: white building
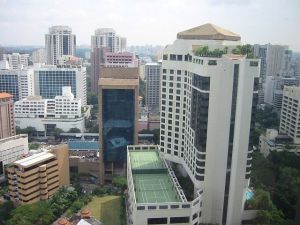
x,y
154,193
290,113
49,80
62,112
207,105
39,56
152,74
12,149
17,61
60,41
17,82
107,37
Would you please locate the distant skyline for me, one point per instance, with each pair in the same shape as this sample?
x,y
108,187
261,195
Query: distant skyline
x,y
156,22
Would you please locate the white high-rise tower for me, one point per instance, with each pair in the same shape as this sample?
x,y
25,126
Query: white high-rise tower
x,y
60,41
208,100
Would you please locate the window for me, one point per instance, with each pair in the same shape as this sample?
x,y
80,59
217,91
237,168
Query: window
x,y
179,57
165,57
254,63
185,219
173,57
162,220
212,62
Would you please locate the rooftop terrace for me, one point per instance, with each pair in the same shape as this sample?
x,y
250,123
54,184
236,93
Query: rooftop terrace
x,y
152,183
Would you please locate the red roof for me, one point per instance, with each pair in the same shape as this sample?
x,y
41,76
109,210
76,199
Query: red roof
x,y
5,95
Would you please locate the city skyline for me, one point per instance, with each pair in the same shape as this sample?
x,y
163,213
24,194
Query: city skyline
x,y
253,19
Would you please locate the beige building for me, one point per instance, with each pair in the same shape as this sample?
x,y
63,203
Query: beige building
x,y
118,116
7,122
39,176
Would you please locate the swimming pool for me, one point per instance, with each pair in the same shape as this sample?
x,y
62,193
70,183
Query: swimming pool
x,y
249,194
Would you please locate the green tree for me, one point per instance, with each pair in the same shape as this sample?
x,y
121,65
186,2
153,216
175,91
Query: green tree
x,y
5,211
36,213
34,145
74,130
120,182
92,98
57,132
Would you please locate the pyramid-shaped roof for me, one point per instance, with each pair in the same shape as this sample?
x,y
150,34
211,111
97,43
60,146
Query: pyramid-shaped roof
x,y
208,31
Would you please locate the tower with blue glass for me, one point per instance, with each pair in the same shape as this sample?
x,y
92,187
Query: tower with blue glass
x,y
118,110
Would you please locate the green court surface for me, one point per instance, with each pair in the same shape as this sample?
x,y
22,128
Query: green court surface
x,y
154,188
145,160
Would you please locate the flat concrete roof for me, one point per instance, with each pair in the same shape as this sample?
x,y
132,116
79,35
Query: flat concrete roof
x,y
118,82
34,159
150,177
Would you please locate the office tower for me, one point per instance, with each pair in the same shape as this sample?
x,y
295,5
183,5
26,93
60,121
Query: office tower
x,y
11,149
60,41
63,112
39,56
49,80
17,61
104,40
18,83
289,118
152,74
7,119
297,69
208,102
118,101
39,176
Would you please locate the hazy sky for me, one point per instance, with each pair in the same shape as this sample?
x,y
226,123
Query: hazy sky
x,y
24,22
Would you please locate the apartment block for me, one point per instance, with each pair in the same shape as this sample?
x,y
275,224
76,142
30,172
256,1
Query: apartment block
x,y
60,41
152,75
11,149
17,60
290,113
7,119
39,176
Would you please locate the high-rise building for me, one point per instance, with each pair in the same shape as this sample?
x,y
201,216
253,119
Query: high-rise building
x,y
60,41
18,83
39,176
49,80
118,101
7,119
2,51
152,75
289,118
107,37
39,56
17,61
63,112
11,149
208,102
103,42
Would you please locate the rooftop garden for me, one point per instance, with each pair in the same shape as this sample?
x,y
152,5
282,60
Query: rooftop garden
x,y
204,51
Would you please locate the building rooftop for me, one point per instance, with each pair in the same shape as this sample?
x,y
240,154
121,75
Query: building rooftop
x,y
208,31
5,95
120,72
83,145
150,177
118,82
34,159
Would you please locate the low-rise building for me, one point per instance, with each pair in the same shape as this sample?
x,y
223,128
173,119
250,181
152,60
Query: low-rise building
x,y
154,194
39,176
12,149
63,112
86,148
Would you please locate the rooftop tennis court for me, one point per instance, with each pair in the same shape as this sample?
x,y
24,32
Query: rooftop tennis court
x,y
150,178
154,188
145,160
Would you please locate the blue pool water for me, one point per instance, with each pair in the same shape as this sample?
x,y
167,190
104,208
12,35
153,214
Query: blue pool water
x,y
249,194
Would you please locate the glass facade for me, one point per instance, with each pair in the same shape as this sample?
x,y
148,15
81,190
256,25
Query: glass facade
x,y
51,83
10,84
118,113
